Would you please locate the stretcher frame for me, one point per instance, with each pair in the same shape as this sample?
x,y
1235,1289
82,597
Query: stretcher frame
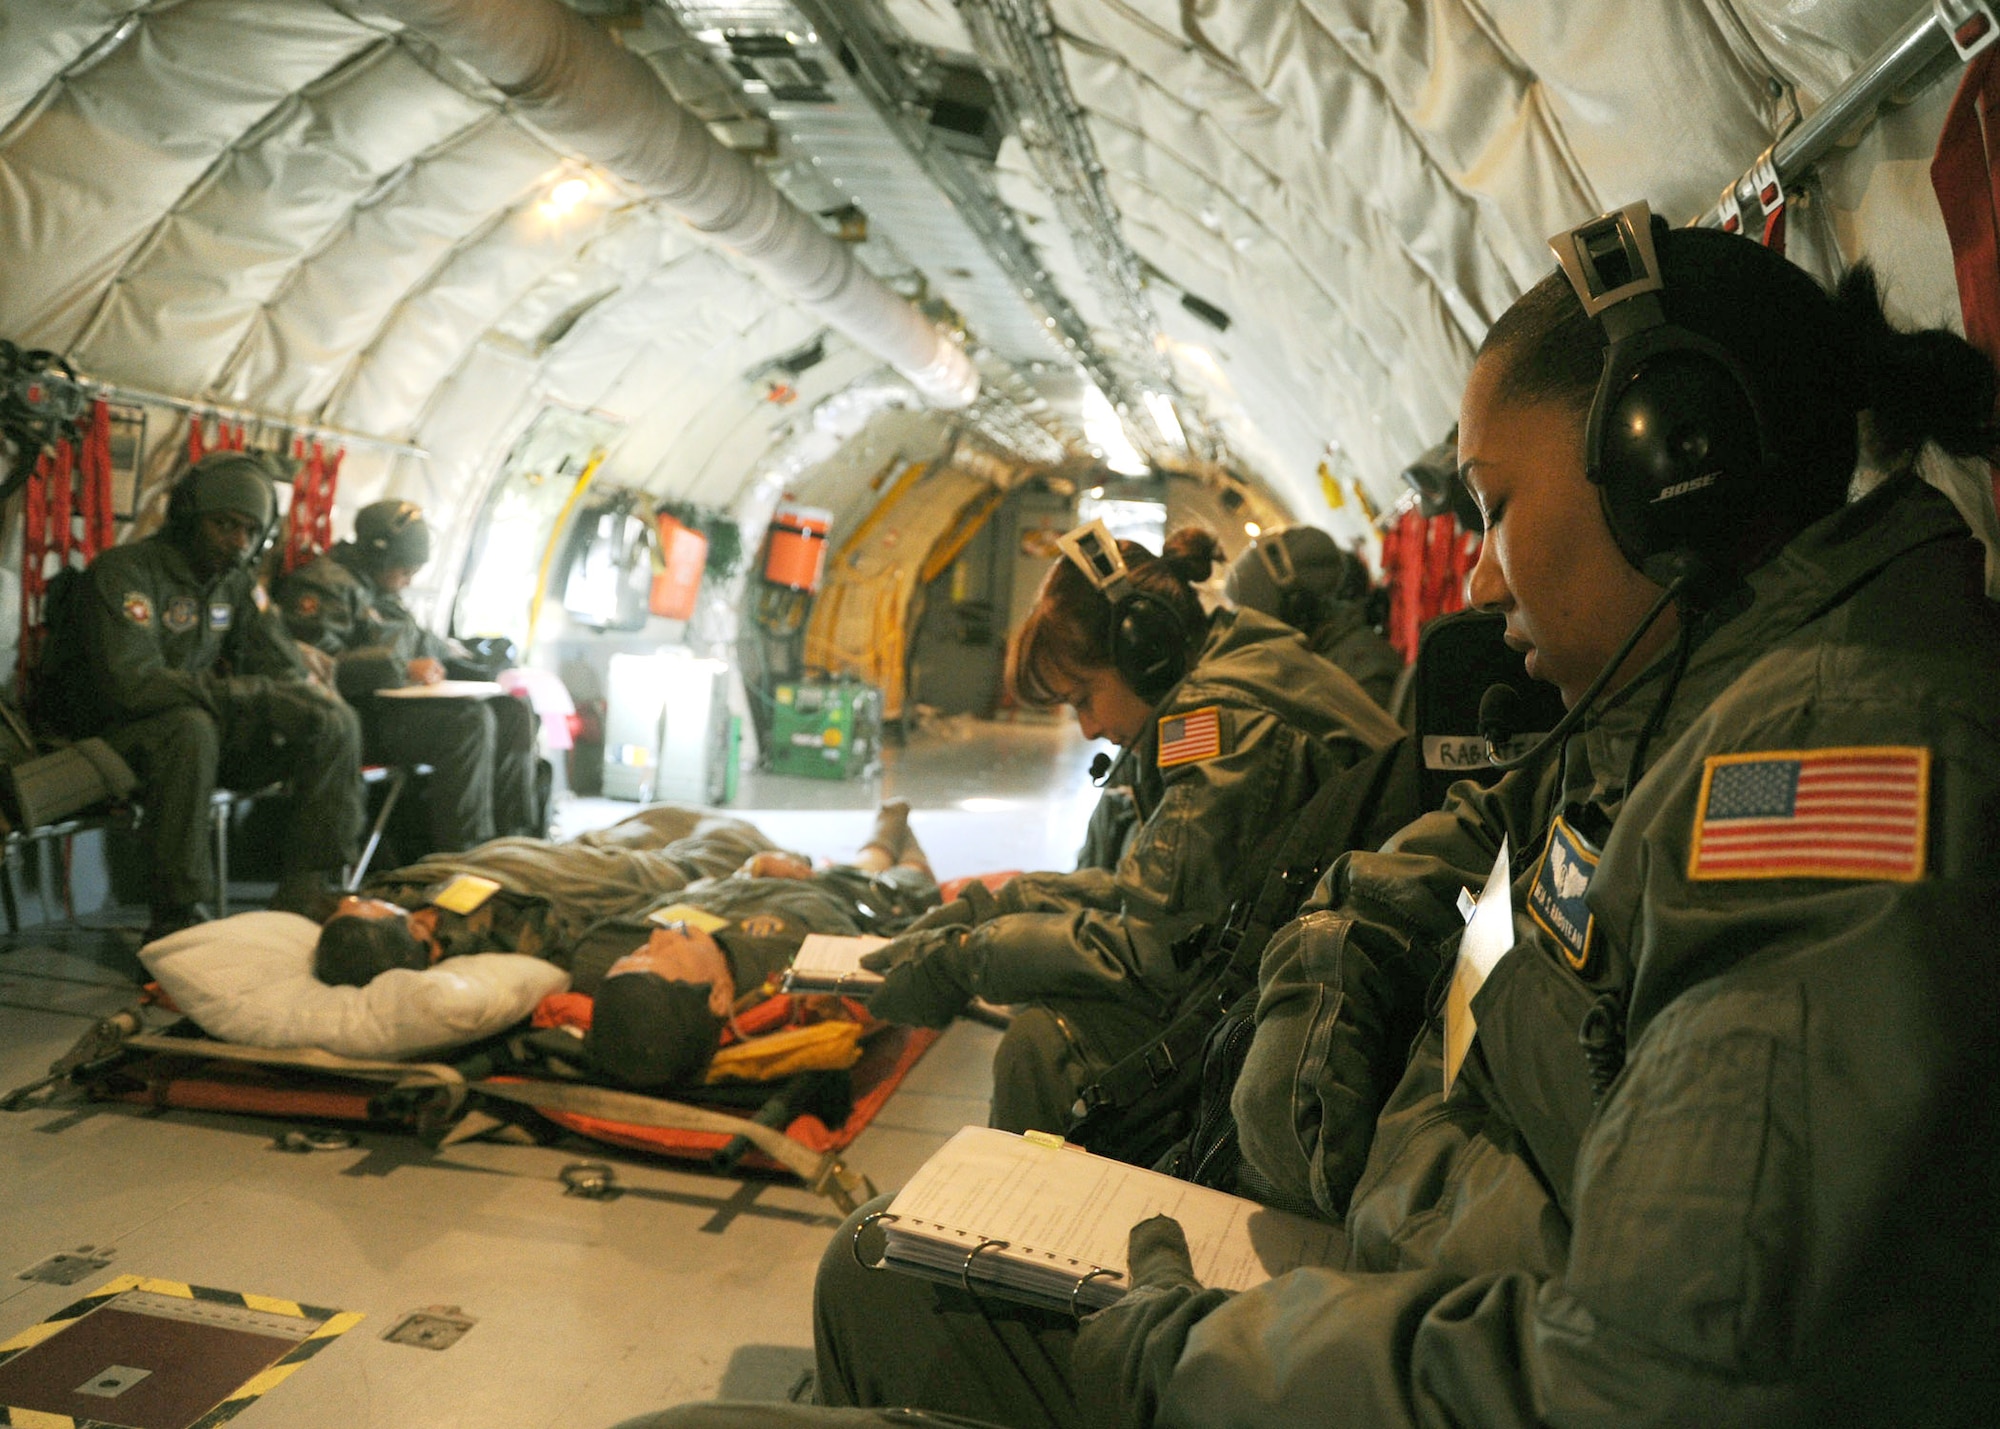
x,y
441,1096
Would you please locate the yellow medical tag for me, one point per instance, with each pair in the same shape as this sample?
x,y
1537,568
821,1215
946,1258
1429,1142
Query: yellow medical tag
x,y
465,894
698,919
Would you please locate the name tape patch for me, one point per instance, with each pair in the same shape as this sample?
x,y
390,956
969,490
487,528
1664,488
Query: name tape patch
x,y
1557,902
1860,812
1190,738
220,613
464,894
699,919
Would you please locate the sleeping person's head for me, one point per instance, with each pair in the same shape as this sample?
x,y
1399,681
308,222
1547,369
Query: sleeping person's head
x,y
367,937
659,1013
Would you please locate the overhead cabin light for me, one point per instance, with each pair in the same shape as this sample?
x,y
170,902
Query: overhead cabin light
x,y
1103,430
1165,418
710,37
1252,530
564,199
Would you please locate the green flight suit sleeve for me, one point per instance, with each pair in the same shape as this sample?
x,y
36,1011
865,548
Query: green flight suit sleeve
x,y
1782,1196
1183,868
1342,991
121,625
258,642
327,610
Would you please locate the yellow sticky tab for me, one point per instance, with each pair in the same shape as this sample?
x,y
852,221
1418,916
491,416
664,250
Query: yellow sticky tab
x,y
465,894
1044,1138
698,919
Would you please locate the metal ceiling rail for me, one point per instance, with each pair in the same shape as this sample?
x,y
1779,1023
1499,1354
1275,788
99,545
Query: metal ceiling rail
x,y
1928,35
119,392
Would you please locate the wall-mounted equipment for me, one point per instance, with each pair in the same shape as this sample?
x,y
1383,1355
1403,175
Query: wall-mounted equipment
x,y
683,558
796,558
666,727
829,730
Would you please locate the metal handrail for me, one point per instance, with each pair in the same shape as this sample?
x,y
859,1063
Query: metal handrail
x,y
1890,68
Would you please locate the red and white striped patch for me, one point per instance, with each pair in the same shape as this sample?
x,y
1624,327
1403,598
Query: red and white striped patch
x,y
1191,737
1813,813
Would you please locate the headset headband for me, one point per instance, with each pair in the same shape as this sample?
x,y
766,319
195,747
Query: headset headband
x,y
1610,261
1276,556
1092,549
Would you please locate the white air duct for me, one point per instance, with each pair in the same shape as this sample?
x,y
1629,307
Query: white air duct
x,y
586,93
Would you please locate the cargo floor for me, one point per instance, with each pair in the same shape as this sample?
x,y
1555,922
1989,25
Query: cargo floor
x,y
685,1285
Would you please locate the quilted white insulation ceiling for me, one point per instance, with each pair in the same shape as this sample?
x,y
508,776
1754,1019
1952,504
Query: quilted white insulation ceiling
x,y
1273,230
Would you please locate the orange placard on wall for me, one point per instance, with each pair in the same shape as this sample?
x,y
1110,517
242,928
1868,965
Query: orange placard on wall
x,y
685,553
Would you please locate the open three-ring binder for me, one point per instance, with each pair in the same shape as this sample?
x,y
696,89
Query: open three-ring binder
x,y
829,963
1030,1219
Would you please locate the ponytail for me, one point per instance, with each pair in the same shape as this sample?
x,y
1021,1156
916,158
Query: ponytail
x,y
1925,386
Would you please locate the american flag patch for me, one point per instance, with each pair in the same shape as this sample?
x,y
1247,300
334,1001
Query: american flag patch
x,y
1813,813
1191,737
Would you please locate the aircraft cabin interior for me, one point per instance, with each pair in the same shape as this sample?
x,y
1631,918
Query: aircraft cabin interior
x,y
630,626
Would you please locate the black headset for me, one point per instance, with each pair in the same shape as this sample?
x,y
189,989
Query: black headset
x,y
1677,443
406,515
181,515
1150,642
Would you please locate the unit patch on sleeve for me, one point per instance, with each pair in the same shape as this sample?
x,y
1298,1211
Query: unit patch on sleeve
x,y
138,609
1860,812
306,606
1190,738
181,615
1557,902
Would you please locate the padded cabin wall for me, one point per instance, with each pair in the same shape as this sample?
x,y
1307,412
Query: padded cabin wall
x,y
1364,185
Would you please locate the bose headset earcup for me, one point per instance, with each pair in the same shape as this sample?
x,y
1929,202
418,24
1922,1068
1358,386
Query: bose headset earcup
x,y
1676,450
1149,645
1675,440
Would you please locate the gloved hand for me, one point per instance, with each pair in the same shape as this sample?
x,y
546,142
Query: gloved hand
x,y
1126,1353
974,905
927,978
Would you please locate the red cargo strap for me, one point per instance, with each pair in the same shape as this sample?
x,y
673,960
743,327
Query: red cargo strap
x,y
99,528
1963,175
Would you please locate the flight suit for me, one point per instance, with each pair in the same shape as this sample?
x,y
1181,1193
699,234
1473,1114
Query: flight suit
x,y
1236,749
550,895
1758,1191
1347,640
195,684
481,752
765,919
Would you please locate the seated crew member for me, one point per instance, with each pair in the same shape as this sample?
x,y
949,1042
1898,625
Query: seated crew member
x,y
1300,576
1228,726
167,652
663,991
347,603
1721,1149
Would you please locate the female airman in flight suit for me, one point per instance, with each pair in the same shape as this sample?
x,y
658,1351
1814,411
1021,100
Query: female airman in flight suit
x,y
1721,1149
1237,745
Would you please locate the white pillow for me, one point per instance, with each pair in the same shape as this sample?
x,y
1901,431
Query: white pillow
x,y
248,979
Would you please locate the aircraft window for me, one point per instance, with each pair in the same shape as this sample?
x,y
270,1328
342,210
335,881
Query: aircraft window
x,y
500,591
